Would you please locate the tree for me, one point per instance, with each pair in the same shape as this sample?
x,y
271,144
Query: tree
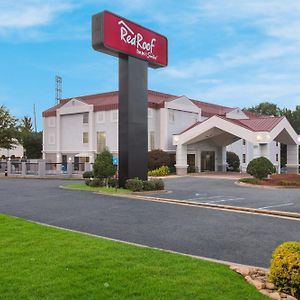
x,y
158,158
26,124
8,129
103,166
265,108
233,161
33,144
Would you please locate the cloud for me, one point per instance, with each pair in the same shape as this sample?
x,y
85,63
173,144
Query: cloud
x,y
30,13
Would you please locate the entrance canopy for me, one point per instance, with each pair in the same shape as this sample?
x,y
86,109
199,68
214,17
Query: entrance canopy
x,y
224,131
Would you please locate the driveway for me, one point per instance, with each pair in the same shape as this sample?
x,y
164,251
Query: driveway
x,y
222,191
235,237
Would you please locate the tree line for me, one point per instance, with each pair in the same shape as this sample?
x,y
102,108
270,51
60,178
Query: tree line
x,y
15,131
271,109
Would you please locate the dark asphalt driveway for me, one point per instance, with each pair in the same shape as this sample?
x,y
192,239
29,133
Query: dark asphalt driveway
x,y
236,237
220,191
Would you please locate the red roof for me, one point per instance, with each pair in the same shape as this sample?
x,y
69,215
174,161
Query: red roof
x,y
109,101
209,109
257,123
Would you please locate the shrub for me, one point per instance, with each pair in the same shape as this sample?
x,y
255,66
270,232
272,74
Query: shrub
x,y
233,161
162,171
260,168
88,174
103,166
159,184
158,158
149,185
135,184
87,181
113,182
285,268
95,182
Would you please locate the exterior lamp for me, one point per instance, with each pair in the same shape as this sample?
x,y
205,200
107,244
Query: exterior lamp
x,y
258,137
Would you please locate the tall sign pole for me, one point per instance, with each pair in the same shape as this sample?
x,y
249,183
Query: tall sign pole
x,y
137,48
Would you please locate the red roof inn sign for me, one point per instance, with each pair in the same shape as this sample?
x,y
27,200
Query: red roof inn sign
x,y
113,35
137,48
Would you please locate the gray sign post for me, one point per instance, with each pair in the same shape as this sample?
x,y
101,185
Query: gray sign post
x,y
135,46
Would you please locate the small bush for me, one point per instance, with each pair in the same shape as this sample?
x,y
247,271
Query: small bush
x,y
159,184
88,181
162,171
260,168
158,158
113,182
285,268
88,174
135,185
250,180
96,182
233,161
149,185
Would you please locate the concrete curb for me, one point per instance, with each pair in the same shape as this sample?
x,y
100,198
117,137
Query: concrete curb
x,y
237,209
265,186
281,214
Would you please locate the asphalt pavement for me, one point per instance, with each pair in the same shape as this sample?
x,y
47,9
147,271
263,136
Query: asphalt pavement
x,y
231,236
221,191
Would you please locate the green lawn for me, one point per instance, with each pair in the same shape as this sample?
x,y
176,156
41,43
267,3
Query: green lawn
x,y
103,189
38,262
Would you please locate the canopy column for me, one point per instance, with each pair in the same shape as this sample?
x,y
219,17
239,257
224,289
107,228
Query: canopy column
x,y
181,160
292,159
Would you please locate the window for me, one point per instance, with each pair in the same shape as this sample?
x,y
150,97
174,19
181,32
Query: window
x,y
51,122
152,140
244,158
114,116
244,142
171,116
277,157
277,144
51,139
100,117
150,113
101,141
85,137
85,118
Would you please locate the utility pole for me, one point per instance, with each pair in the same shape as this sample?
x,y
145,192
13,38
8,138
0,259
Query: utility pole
x,y
58,88
34,118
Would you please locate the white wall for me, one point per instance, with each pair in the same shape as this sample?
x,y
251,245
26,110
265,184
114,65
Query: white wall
x,y
270,151
17,151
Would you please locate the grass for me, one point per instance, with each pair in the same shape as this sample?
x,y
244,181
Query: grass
x,y
250,180
103,189
38,262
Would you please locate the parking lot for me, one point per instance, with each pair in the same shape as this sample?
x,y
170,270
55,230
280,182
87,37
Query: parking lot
x,y
226,192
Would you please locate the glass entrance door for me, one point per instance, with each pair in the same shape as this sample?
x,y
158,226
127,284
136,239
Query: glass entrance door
x,y
207,161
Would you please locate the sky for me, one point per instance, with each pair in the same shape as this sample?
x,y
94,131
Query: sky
x,y
231,52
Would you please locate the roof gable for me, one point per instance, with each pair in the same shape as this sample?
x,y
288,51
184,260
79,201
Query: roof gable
x,y
184,104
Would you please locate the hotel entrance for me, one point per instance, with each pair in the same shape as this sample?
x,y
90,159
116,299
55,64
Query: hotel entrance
x,y
207,161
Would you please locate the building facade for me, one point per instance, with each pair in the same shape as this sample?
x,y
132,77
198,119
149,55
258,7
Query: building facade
x,y
196,133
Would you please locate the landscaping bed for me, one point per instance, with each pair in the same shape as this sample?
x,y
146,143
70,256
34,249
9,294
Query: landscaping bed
x,y
282,180
39,262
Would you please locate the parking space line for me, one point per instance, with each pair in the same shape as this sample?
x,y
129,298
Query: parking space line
x,y
205,197
224,200
278,205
